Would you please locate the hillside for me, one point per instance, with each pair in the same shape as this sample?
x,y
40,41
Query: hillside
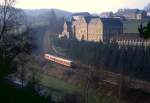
x,y
42,17
38,12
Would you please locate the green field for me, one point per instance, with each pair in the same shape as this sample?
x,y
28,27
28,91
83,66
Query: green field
x,y
58,84
62,87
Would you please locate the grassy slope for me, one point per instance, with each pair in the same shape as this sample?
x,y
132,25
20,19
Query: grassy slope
x,y
57,84
64,87
9,94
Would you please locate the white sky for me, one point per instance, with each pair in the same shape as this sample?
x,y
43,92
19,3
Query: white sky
x,y
95,6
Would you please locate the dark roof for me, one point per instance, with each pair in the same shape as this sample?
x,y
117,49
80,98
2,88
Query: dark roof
x,y
132,11
81,14
111,22
89,18
68,23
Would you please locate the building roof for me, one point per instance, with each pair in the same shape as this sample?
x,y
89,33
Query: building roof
x,y
111,22
69,23
89,18
94,20
81,14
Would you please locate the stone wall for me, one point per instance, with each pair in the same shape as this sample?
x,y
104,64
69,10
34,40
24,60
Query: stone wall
x,y
81,29
95,31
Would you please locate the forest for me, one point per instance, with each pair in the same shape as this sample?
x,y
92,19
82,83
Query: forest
x,y
132,61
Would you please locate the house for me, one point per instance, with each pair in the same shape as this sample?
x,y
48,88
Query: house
x,y
111,27
132,14
67,29
100,29
79,28
77,16
93,28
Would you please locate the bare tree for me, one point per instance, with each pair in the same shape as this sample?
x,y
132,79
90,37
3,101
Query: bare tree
x,y
7,13
11,20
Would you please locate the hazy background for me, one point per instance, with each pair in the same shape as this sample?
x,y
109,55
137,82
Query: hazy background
x,y
93,6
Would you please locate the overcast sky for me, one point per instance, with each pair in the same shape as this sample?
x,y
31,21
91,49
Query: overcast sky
x,y
94,6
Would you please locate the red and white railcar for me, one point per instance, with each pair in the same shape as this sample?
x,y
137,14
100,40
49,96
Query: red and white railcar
x,y
49,57
58,60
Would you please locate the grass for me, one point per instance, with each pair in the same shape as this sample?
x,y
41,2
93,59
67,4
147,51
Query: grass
x,y
62,87
58,84
10,94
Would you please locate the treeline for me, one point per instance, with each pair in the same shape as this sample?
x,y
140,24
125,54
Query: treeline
x,y
127,60
47,18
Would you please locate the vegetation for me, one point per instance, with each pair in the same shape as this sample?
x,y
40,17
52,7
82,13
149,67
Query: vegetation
x,y
16,58
144,31
129,60
57,84
13,43
70,93
11,94
132,61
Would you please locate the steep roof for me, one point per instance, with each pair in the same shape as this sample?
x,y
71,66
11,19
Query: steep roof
x,y
94,20
69,23
81,14
111,22
89,18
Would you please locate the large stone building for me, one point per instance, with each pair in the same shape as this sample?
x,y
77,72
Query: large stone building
x,y
67,30
93,28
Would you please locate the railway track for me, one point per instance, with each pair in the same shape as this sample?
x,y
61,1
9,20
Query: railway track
x,y
116,79
113,78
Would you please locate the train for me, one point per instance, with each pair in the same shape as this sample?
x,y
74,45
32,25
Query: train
x,y
58,60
